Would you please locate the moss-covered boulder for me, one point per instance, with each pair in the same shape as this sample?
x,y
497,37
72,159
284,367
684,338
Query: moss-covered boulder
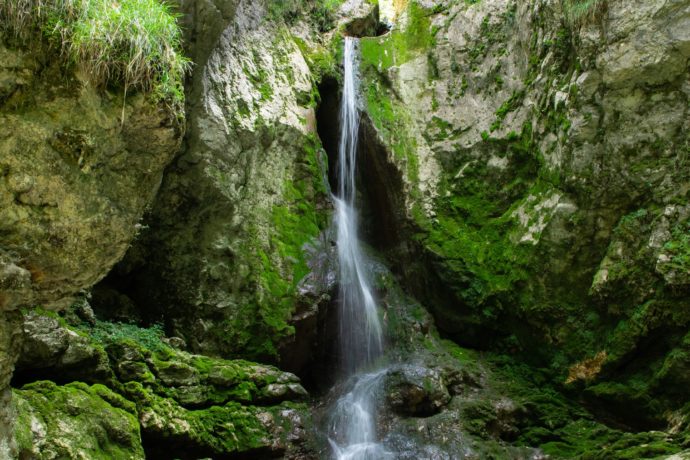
x,y
75,421
193,403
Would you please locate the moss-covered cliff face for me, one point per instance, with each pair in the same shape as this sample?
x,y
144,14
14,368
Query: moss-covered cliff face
x,y
79,163
78,166
538,159
524,171
224,254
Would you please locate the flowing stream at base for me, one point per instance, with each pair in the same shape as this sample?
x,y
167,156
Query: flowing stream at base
x,y
352,427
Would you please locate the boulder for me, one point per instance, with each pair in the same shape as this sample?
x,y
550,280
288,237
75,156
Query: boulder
x,y
78,166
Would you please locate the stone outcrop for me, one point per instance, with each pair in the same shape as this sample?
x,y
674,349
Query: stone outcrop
x,y
77,169
537,155
224,254
143,393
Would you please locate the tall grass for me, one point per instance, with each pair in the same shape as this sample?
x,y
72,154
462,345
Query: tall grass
x,y
133,42
579,12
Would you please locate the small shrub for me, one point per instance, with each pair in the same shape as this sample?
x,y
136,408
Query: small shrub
x,y
134,42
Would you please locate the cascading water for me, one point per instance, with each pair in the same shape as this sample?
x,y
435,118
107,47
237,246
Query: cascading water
x,y
352,430
360,328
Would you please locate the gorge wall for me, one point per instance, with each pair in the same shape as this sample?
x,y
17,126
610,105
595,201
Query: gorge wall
x,y
524,172
545,182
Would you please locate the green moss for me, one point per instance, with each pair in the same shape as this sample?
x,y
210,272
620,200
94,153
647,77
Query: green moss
x,y
400,46
392,120
80,421
508,106
678,248
218,430
149,338
278,265
582,11
320,12
322,61
491,35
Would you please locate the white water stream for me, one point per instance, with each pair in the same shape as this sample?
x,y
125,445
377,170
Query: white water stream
x,y
352,430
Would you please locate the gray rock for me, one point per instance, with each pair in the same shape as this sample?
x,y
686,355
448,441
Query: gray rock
x,y
358,18
415,390
224,253
53,349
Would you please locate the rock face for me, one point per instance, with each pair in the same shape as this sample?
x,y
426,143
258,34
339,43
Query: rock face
x,y
77,169
539,159
416,390
438,400
78,166
224,254
10,346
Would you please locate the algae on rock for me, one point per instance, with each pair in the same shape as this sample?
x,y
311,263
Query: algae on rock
x,y
522,143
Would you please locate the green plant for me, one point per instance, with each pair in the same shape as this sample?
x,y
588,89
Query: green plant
x,y
320,11
134,42
149,338
581,11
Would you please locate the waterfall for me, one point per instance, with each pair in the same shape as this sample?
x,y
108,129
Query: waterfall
x,y
360,328
352,431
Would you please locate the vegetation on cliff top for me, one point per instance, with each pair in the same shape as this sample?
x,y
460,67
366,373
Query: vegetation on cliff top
x,y
136,43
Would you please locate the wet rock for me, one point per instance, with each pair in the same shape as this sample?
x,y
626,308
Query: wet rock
x,y
359,18
176,374
415,390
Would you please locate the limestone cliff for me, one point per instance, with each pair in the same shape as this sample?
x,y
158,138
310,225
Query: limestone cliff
x,y
536,154
78,167
224,253
524,173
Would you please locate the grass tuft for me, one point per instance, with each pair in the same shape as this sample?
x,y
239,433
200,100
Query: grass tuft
x,y
133,42
320,11
579,12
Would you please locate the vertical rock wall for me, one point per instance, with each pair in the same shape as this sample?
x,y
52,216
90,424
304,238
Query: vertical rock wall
x,y
225,248
543,160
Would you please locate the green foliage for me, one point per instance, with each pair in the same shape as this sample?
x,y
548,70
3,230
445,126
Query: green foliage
x,y
508,106
149,338
133,42
400,46
679,247
320,11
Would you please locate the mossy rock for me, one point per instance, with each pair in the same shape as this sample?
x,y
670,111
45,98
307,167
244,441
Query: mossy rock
x,y
75,421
